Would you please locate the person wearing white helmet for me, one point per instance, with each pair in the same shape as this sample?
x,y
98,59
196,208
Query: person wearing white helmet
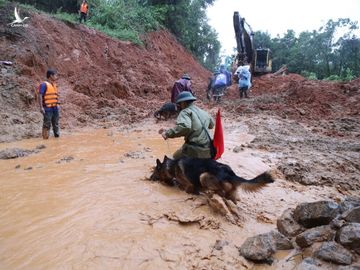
x,y
193,124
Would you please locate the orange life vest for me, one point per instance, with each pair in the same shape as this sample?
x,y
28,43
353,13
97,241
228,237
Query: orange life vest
x,y
84,8
51,95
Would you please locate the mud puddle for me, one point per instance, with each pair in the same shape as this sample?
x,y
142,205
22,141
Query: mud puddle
x,y
83,202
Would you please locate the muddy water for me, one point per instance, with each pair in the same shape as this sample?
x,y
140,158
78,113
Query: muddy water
x,y
83,203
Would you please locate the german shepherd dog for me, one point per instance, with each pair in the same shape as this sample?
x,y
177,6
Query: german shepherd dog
x,y
166,111
195,175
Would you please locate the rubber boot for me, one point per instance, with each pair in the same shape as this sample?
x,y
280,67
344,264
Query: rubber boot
x,y
45,133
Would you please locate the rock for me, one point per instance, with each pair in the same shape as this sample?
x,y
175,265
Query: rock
x,y
135,155
337,223
217,203
316,214
350,267
219,244
282,242
349,202
310,264
236,212
14,153
65,159
226,208
301,111
41,146
352,215
333,252
317,234
287,225
349,236
258,248
237,149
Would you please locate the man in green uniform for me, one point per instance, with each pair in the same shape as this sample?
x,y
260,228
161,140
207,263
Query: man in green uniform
x,y
193,124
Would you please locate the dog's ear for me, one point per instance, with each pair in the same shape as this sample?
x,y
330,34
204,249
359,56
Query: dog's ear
x,y
165,157
158,162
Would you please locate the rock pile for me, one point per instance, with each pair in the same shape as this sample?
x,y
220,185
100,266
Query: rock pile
x,y
328,231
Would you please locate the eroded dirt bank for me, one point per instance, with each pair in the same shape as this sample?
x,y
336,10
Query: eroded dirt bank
x,y
101,79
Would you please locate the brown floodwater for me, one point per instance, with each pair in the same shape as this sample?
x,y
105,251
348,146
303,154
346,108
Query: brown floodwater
x,y
83,202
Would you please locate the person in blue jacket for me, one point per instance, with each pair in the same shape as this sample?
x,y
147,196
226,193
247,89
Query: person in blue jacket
x,y
223,70
244,75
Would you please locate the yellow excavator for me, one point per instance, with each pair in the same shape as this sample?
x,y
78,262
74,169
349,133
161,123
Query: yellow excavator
x,y
259,59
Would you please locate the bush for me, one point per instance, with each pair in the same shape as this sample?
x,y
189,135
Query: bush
x,y
309,75
346,76
126,20
333,78
122,34
66,17
349,75
2,2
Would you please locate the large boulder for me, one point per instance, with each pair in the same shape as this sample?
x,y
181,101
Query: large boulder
x,y
287,225
310,264
352,215
316,213
281,241
349,236
258,248
334,253
317,234
349,202
350,267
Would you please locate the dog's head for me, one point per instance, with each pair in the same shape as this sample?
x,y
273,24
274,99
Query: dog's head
x,y
156,175
162,171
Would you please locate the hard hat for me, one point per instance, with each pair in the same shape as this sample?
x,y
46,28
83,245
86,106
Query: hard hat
x,y
186,76
185,96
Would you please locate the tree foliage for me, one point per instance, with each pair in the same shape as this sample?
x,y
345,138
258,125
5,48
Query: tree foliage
x,y
332,52
187,20
53,5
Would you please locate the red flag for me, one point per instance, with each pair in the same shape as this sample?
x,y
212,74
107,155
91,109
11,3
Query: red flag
x,y
218,137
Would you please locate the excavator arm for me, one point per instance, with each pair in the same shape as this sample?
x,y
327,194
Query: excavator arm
x,y
244,41
258,59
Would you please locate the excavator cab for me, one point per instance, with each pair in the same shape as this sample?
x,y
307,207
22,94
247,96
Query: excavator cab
x,y
263,62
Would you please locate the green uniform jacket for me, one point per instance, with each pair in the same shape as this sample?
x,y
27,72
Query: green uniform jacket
x,y
189,124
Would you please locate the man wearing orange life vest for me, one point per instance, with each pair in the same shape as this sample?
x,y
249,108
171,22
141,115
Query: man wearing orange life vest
x,y
48,102
84,8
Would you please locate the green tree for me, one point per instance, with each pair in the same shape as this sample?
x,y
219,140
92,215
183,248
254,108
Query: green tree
x,y
331,52
262,40
53,5
187,20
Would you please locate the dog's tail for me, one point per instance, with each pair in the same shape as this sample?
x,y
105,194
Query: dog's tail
x,y
255,184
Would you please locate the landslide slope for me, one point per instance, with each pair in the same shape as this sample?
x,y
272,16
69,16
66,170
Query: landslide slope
x,y
102,80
